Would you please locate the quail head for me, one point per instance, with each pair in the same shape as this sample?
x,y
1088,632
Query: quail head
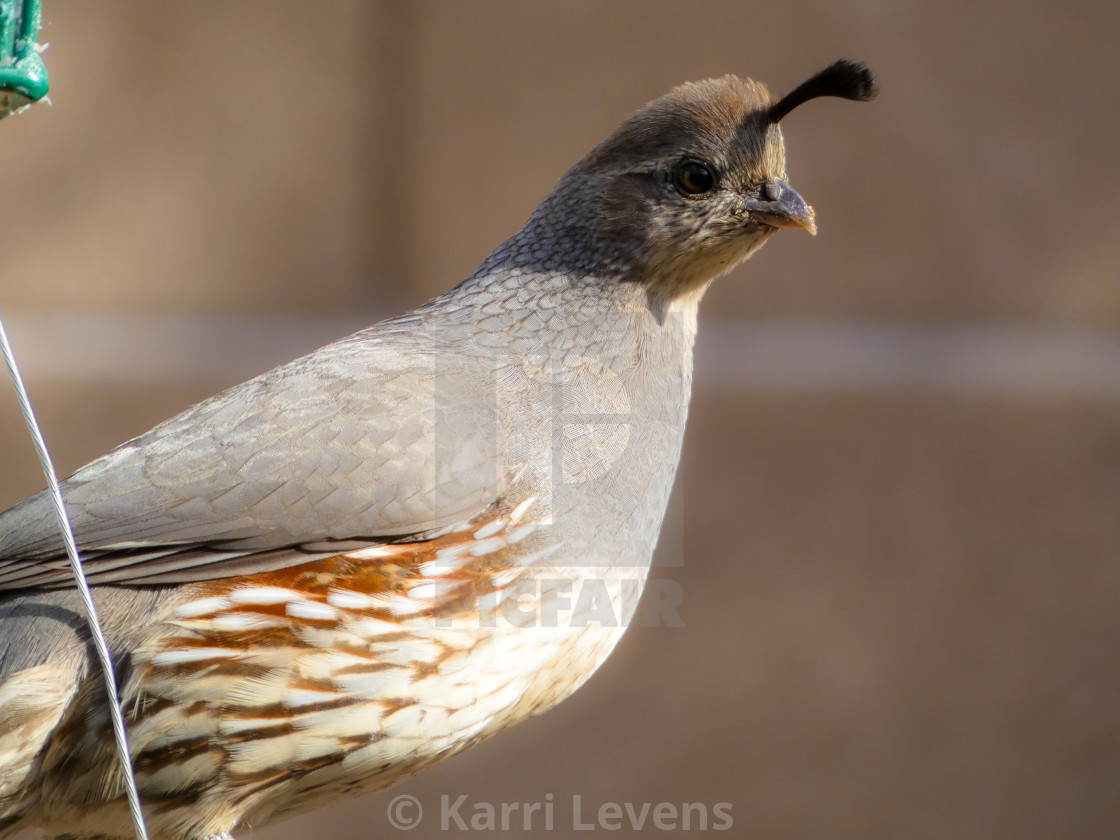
x,y
326,578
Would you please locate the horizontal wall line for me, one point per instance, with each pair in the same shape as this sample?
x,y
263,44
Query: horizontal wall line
x,y
896,356
811,355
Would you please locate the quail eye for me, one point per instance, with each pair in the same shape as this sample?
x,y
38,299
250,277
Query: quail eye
x,y
695,178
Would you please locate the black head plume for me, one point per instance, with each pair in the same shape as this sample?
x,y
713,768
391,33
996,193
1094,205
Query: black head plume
x,y
845,79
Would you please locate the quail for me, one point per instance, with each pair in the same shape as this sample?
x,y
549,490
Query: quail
x,y
322,580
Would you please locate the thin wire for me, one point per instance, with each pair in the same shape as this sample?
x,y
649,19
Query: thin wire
x,y
99,642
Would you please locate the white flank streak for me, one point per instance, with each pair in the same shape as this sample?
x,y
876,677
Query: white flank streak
x,y
530,559
323,665
438,568
268,657
490,529
505,578
235,726
407,653
521,510
263,595
453,665
167,727
193,688
403,722
13,754
326,638
236,622
375,627
489,546
315,747
259,756
369,758
494,701
385,682
346,600
450,553
361,719
181,657
372,553
183,774
398,604
203,607
468,719
450,697
260,691
312,610
423,592
522,532
297,698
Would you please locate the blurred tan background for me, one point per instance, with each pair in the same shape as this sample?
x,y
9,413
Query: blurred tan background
x,y
897,530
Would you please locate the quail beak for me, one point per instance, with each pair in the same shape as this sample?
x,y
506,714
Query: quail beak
x,y
781,206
